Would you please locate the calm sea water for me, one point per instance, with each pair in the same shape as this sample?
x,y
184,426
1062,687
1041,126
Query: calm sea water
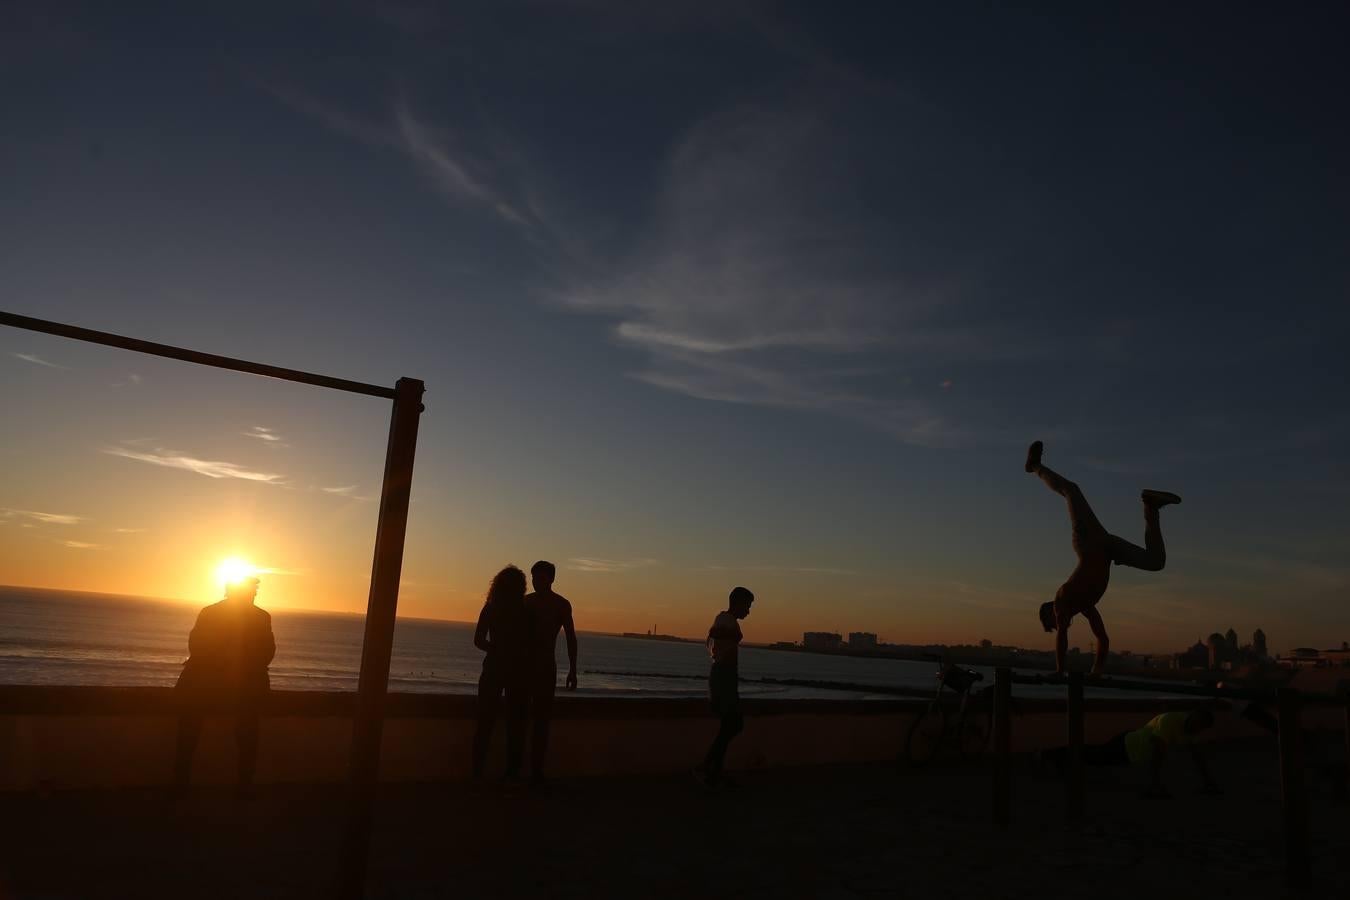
x,y
59,637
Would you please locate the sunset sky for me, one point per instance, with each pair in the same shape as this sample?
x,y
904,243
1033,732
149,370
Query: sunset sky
x,y
762,294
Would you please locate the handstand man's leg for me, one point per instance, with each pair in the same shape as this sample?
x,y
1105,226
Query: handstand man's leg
x,y
1086,527
1153,555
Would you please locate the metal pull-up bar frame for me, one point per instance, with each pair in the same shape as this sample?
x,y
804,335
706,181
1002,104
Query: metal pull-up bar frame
x,y
386,567
1288,703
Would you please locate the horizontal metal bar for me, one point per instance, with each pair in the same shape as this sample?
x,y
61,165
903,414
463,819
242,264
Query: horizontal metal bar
x,y
1171,687
202,359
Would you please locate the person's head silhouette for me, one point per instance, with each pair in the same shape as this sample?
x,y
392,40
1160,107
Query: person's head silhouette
x,y
508,586
543,573
739,602
1047,615
1199,720
242,590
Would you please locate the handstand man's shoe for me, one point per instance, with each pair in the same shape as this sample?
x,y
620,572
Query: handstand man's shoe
x,y
1159,499
1034,455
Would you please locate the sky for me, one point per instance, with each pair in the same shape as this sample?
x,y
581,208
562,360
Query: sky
x,y
703,295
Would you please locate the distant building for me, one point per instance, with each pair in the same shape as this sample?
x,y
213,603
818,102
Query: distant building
x,y
822,640
862,640
1339,657
783,645
1312,658
1195,657
1216,650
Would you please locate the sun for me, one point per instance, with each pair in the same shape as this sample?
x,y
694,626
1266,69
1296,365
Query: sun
x,y
234,570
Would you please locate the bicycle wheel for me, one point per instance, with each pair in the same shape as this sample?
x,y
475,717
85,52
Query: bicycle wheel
x,y
925,734
975,727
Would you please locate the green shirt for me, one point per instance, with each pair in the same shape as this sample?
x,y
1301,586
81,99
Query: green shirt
x,y
1170,728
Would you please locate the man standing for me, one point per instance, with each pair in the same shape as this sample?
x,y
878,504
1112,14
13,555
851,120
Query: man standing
x,y
547,612
1096,550
229,650
724,640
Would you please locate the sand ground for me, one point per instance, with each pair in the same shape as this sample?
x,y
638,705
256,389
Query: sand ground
x,y
829,832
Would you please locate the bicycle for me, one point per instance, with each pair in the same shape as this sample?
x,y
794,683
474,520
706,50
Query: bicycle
x,y
974,718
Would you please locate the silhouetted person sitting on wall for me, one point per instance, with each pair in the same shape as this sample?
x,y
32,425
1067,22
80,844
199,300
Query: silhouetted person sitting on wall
x,y
1148,746
548,613
502,634
724,643
1096,551
229,650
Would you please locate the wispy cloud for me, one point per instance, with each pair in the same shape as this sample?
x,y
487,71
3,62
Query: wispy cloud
x,y
44,518
274,570
132,379
760,281
37,360
172,459
266,435
347,490
448,173
81,545
592,564
764,275
794,570
130,530
430,147
330,115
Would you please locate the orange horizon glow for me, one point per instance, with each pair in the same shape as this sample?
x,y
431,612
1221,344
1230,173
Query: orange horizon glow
x,y
233,570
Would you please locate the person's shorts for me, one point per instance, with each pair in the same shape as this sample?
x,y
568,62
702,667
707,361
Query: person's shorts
x,y
724,692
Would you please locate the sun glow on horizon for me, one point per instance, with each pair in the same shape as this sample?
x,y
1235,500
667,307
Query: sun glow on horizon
x,y
234,570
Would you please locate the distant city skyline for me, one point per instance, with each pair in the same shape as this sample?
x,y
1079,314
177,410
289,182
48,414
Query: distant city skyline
x,y
703,296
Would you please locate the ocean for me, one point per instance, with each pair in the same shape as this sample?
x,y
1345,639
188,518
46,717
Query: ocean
x,y
68,638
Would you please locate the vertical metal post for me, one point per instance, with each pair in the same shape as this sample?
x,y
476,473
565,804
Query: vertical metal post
x,y
1346,786
1292,789
377,646
1002,747
1074,809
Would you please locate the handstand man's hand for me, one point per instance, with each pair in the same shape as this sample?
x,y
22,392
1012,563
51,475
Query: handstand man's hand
x,y
572,680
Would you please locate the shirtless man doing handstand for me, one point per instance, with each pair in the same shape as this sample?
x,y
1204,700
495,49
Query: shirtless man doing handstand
x,y
1096,550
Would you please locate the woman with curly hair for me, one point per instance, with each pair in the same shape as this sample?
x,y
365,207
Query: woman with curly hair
x,y
502,634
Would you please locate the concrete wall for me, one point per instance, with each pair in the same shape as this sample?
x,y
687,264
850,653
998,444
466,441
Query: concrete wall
x,y
117,737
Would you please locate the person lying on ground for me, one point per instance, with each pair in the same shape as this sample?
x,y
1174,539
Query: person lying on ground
x,y
1149,745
